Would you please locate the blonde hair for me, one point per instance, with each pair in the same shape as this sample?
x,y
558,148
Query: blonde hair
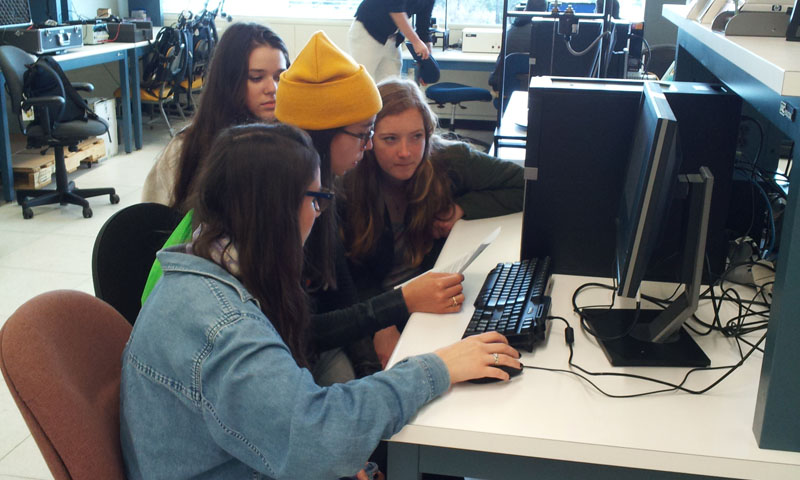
x,y
428,191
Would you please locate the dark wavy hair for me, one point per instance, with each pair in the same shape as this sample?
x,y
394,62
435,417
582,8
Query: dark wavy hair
x,y
320,268
223,102
249,190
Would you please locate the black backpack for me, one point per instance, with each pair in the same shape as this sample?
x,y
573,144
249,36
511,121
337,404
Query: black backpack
x,y
167,60
44,78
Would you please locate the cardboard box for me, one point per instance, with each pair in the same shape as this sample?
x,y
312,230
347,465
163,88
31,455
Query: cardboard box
x,y
106,108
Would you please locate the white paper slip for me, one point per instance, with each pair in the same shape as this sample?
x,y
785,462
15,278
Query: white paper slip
x,y
462,262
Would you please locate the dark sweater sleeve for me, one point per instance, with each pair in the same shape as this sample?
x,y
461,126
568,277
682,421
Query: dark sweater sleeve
x,y
483,186
340,318
422,24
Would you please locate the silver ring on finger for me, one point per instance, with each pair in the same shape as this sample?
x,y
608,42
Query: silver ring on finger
x,y
455,302
495,358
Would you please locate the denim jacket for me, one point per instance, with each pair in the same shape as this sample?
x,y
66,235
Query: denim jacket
x,y
209,390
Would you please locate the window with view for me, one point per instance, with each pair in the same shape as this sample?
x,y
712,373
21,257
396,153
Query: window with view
x,y
459,12
478,12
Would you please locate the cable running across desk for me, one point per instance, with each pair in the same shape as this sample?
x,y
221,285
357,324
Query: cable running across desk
x,y
569,335
735,328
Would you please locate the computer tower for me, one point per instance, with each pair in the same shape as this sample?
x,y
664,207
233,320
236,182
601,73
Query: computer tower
x,y
579,133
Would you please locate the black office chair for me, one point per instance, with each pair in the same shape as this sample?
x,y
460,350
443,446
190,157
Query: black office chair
x,y
124,251
516,76
46,132
658,59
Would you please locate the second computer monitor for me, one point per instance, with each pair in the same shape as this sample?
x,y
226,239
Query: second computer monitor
x,y
550,53
649,182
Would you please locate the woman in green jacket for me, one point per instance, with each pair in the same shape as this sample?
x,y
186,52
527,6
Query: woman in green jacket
x,y
403,198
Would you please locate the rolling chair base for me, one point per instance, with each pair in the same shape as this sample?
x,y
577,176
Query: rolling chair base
x,y
63,196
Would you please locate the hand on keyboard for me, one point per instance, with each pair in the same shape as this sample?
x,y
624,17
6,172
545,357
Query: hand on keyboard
x,y
474,357
434,293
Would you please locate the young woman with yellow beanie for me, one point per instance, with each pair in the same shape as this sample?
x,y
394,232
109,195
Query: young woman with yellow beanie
x,y
239,88
334,99
214,378
399,204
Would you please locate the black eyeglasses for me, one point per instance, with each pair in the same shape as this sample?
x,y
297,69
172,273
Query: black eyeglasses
x,y
364,137
321,199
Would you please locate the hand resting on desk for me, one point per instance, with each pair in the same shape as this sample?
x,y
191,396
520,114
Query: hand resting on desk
x,y
473,357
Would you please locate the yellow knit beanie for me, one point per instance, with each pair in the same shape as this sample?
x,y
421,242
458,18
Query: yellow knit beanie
x,y
325,88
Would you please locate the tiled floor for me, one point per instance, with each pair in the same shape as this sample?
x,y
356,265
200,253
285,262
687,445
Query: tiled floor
x,y
53,250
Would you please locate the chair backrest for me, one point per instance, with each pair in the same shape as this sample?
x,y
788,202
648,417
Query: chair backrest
x,y
12,63
61,354
124,251
516,74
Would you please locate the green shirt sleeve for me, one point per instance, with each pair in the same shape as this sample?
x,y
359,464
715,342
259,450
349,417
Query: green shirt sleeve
x,y
181,234
482,185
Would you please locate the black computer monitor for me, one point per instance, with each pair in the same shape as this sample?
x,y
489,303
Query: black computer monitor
x,y
15,13
550,52
638,337
649,182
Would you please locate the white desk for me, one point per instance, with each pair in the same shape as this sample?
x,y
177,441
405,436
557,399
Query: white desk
x,y
771,60
547,425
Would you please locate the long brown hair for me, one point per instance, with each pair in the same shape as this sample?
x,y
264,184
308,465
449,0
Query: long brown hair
x,y
249,190
223,102
428,191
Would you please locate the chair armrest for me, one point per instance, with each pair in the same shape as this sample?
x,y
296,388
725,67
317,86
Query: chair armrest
x,y
48,101
83,86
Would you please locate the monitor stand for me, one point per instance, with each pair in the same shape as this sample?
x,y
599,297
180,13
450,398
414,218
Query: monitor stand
x,y
633,350
656,338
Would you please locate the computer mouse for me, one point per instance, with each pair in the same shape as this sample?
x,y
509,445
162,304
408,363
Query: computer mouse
x,y
513,372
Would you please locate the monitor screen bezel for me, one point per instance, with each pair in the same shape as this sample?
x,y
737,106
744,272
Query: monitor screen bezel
x,y
651,177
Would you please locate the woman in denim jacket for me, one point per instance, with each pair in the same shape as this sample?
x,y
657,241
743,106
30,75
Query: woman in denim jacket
x,y
214,377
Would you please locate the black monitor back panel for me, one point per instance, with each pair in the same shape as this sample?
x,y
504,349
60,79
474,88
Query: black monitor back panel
x,y
579,133
545,39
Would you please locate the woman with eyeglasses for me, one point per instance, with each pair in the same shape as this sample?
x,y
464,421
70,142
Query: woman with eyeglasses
x,y
335,100
215,380
401,201
239,88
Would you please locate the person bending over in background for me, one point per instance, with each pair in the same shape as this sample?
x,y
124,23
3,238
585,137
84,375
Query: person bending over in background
x,y
377,32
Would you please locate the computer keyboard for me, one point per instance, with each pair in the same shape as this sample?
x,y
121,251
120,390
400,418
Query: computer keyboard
x,y
513,301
